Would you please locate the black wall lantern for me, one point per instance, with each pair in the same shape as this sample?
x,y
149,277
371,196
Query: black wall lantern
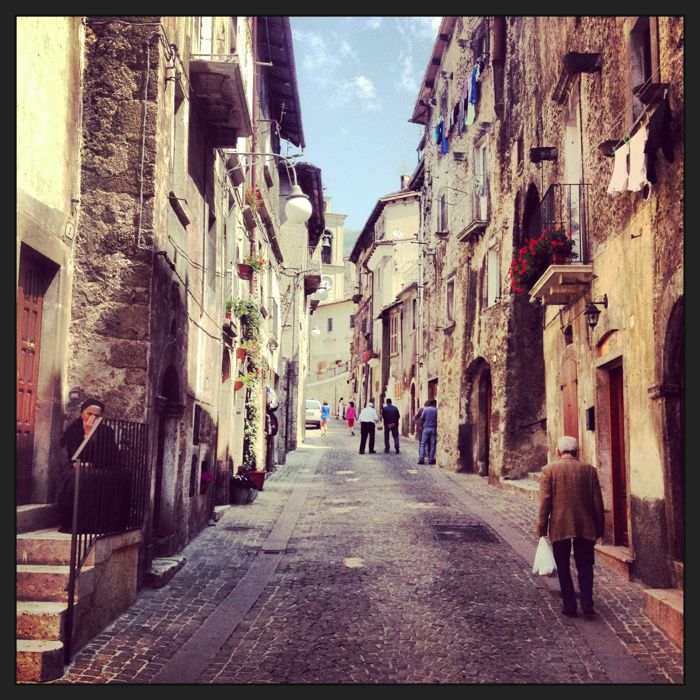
x,y
592,313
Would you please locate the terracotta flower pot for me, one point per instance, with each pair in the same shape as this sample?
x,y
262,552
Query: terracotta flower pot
x,y
237,384
228,315
240,353
558,258
255,477
245,272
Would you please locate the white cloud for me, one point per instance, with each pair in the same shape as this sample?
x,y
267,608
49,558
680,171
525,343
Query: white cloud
x,y
345,50
409,77
316,58
418,27
374,22
360,89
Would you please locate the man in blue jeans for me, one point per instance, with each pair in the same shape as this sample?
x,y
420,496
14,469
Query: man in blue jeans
x,y
429,434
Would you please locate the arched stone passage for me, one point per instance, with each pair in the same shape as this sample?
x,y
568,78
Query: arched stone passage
x,y
475,432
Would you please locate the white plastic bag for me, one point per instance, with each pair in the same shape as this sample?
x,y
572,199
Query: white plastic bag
x,y
544,564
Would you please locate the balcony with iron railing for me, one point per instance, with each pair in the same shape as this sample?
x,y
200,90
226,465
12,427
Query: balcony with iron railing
x,y
565,207
474,217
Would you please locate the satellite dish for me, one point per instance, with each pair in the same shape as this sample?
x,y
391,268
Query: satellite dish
x,y
326,283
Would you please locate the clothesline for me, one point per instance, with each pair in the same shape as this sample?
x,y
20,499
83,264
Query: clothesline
x,y
618,119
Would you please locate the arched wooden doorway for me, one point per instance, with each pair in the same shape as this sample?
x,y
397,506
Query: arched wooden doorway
x,y
674,441
35,273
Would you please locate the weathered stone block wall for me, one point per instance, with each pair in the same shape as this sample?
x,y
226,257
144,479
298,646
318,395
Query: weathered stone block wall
x,y
109,336
479,333
637,251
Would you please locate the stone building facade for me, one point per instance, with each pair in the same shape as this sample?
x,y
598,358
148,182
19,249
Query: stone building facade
x,y
159,140
556,95
482,349
386,258
333,317
301,278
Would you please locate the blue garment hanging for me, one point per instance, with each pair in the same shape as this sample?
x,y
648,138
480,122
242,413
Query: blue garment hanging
x,y
473,90
444,146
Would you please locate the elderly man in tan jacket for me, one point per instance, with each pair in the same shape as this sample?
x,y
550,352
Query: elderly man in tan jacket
x,y
571,503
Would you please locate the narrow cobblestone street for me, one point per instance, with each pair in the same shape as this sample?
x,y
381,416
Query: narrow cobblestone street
x,y
354,586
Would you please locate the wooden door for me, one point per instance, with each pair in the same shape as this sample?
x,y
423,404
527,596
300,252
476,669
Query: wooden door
x,y
617,458
569,397
30,298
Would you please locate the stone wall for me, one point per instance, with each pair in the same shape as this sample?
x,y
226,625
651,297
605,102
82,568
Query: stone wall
x,y
109,335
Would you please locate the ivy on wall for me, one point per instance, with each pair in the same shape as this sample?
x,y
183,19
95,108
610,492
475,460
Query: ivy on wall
x,y
251,323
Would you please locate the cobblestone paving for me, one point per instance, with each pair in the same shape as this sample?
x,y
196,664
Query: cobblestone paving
x,y
367,594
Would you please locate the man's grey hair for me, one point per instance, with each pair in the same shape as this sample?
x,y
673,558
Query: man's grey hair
x,y
568,444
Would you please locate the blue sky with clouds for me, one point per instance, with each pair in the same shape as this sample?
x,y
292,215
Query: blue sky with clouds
x,y
358,83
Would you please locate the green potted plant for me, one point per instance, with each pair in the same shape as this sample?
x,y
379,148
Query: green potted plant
x,y
553,247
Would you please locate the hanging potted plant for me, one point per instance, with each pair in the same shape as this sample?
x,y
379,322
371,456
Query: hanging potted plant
x,y
256,262
229,308
245,271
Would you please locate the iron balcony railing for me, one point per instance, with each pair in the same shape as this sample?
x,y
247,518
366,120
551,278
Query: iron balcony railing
x,y
565,206
110,491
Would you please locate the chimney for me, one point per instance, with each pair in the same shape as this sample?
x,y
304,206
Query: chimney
x,y
404,181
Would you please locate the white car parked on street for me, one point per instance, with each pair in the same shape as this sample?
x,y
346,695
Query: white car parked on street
x,y
313,412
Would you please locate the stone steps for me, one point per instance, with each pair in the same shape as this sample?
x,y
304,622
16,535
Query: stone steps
x,y
664,607
45,582
46,547
523,487
40,620
38,660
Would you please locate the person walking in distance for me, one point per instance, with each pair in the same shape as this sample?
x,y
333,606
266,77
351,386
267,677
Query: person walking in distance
x,y
428,438
351,414
571,507
390,417
340,409
325,415
368,419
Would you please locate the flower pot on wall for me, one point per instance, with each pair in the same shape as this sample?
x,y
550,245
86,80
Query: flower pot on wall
x,y
245,272
559,258
255,477
237,384
240,353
